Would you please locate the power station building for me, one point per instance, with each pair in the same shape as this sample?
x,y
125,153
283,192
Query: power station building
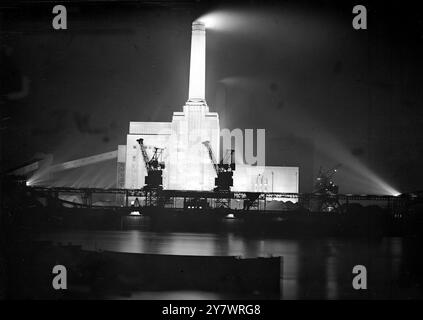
x,y
187,162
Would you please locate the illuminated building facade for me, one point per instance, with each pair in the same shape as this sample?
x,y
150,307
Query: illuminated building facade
x,y
187,163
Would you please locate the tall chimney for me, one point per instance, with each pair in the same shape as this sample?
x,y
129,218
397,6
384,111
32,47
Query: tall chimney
x,y
197,73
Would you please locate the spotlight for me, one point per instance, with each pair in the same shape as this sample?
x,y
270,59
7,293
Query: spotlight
x,y
210,20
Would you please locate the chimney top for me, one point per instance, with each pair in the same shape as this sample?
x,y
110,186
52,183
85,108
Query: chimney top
x,y
198,26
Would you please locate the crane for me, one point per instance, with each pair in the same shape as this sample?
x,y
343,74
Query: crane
x,y
326,191
324,183
224,170
154,167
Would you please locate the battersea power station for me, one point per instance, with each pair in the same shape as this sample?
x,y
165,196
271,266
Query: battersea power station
x,y
188,153
187,144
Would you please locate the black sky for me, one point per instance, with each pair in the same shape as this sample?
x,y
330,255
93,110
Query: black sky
x,y
324,92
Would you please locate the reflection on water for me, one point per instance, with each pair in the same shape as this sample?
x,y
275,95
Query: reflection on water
x,y
170,295
313,268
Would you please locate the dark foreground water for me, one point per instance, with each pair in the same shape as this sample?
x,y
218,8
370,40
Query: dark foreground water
x,y
313,268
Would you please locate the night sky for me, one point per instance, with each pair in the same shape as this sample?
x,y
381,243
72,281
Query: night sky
x,y
324,92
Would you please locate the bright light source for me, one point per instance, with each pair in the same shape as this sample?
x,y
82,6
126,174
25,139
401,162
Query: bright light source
x,y
389,189
210,20
222,20
230,216
135,213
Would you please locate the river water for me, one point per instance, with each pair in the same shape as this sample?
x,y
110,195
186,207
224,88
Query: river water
x,y
313,268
